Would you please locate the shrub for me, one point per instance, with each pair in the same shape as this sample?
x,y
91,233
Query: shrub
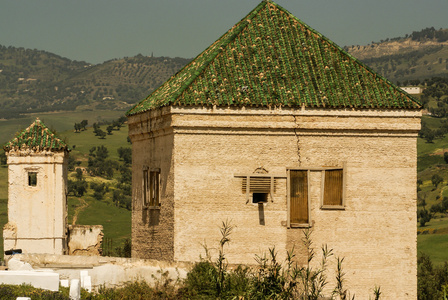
x,y
11,292
272,279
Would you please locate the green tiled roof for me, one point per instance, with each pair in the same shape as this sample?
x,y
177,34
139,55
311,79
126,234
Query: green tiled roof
x,y
36,137
271,58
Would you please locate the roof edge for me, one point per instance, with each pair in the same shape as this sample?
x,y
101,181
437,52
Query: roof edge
x,y
238,27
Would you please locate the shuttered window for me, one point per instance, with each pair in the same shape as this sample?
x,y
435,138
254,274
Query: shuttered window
x,y
151,188
298,194
261,186
333,188
298,200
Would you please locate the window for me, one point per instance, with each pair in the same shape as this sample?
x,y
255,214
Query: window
x,y
260,185
298,198
32,178
298,195
151,188
333,189
259,197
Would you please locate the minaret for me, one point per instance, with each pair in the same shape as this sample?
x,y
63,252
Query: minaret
x,y
37,184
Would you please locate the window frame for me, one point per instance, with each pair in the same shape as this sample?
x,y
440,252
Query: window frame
x,y
322,206
151,188
344,178
272,189
288,199
32,178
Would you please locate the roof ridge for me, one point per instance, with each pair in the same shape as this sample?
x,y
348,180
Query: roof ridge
x,y
342,50
37,137
249,16
272,58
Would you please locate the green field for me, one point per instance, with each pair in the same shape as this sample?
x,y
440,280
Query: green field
x,y
59,122
430,162
434,244
116,221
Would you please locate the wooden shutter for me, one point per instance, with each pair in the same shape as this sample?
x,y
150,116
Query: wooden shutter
x,y
146,196
154,188
259,184
151,187
333,187
298,197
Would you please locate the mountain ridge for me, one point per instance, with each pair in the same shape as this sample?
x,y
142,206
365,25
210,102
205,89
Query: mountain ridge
x,y
39,81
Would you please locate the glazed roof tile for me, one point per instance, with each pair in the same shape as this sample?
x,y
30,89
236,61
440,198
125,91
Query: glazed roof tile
x,y
271,58
36,137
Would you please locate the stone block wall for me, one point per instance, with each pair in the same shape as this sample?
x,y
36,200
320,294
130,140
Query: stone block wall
x,y
375,233
152,147
36,214
85,240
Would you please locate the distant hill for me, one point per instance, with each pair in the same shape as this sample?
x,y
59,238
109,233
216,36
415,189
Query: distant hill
x,y
39,81
421,55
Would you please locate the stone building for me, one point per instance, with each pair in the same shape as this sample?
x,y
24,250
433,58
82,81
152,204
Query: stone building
x,y
275,128
37,180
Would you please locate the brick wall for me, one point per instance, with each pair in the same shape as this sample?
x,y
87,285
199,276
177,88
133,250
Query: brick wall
x,y
376,233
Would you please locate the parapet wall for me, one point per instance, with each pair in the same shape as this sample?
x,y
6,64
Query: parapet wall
x,y
106,271
85,239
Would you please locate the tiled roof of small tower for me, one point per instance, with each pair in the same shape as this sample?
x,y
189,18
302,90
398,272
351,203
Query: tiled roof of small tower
x,y
271,58
36,137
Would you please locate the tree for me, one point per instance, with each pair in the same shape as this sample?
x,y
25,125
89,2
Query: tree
x,y
122,119
125,154
102,153
79,174
84,124
126,175
77,127
436,179
99,189
109,129
99,164
101,134
429,136
424,217
77,188
445,157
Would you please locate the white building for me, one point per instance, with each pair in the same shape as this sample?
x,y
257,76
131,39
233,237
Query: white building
x,y
413,90
37,206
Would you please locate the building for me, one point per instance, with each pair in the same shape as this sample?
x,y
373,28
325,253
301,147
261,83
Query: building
x,y
37,181
413,90
275,128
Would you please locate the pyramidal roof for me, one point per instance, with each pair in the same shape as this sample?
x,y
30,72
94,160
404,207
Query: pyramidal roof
x,y
271,58
36,137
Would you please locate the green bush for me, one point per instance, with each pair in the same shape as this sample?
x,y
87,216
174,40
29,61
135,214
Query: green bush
x,y
11,292
271,279
432,280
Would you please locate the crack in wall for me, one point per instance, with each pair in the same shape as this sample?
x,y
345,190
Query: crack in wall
x,y
299,157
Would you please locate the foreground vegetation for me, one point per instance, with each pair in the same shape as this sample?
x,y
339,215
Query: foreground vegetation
x,y
213,279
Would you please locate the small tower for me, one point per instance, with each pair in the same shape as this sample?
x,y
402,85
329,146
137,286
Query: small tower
x,y
37,181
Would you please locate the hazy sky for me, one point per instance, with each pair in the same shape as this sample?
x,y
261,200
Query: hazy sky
x,y
99,30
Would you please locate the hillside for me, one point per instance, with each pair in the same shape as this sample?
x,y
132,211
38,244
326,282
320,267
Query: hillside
x,y
38,81
421,55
